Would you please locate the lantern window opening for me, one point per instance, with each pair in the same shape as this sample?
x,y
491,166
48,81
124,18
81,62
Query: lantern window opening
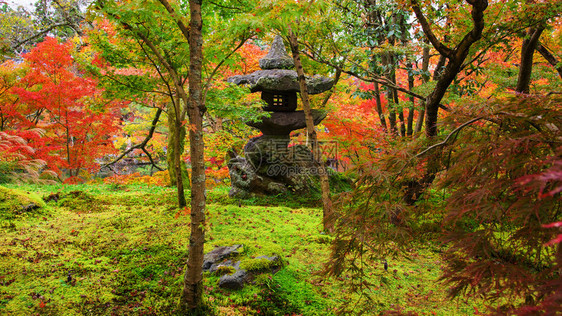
x,y
278,100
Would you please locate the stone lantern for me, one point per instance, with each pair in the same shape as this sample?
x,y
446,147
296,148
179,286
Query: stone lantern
x,y
269,166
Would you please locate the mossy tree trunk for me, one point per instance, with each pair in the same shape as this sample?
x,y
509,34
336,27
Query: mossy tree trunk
x,y
170,155
192,293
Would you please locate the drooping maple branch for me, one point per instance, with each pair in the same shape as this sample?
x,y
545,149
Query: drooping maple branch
x,y
453,133
180,115
161,75
171,70
133,87
142,145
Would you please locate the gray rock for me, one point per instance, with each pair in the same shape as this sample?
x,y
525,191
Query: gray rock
x,y
218,254
30,207
276,261
234,281
277,57
245,180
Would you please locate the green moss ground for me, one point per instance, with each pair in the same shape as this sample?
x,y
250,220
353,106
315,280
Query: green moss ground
x,y
13,202
122,251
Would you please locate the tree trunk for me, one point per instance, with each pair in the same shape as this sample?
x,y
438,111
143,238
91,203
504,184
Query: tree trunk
x,y
328,216
425,78
455,58
177,166
410,129
379,107
386,61
171,154
400,111
191,299
528,47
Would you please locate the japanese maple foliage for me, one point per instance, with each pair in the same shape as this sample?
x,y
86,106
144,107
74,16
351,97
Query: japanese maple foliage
x,y
354,125
62,101
504,182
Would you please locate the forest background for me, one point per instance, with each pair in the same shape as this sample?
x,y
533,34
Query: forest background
x,y
446,115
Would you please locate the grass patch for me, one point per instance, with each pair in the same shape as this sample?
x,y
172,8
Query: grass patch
x,y
128,257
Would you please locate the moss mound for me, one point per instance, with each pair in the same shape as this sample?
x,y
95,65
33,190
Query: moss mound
x,y
78,201
14,202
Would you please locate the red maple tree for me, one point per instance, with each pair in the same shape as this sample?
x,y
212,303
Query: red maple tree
x,y
66,104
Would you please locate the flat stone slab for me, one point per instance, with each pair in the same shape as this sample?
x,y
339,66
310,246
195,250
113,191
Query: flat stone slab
x,y
272,80
283,123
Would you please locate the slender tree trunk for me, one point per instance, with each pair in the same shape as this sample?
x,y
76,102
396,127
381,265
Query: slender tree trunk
x,y
385,58
328,216
425,78
397,104
391,111
191,298
410,129
528,47
173,135
379,107
177,165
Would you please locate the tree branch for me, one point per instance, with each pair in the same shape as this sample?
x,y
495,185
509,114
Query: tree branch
x,y
183,28
455,131
143,144
376,78
439,46
208,84
552,60
45,31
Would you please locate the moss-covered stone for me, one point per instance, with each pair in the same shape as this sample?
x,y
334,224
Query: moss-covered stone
x,y
260,264
223,269
14,202
79,201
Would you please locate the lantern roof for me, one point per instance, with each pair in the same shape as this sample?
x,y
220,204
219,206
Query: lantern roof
x,y
277,75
